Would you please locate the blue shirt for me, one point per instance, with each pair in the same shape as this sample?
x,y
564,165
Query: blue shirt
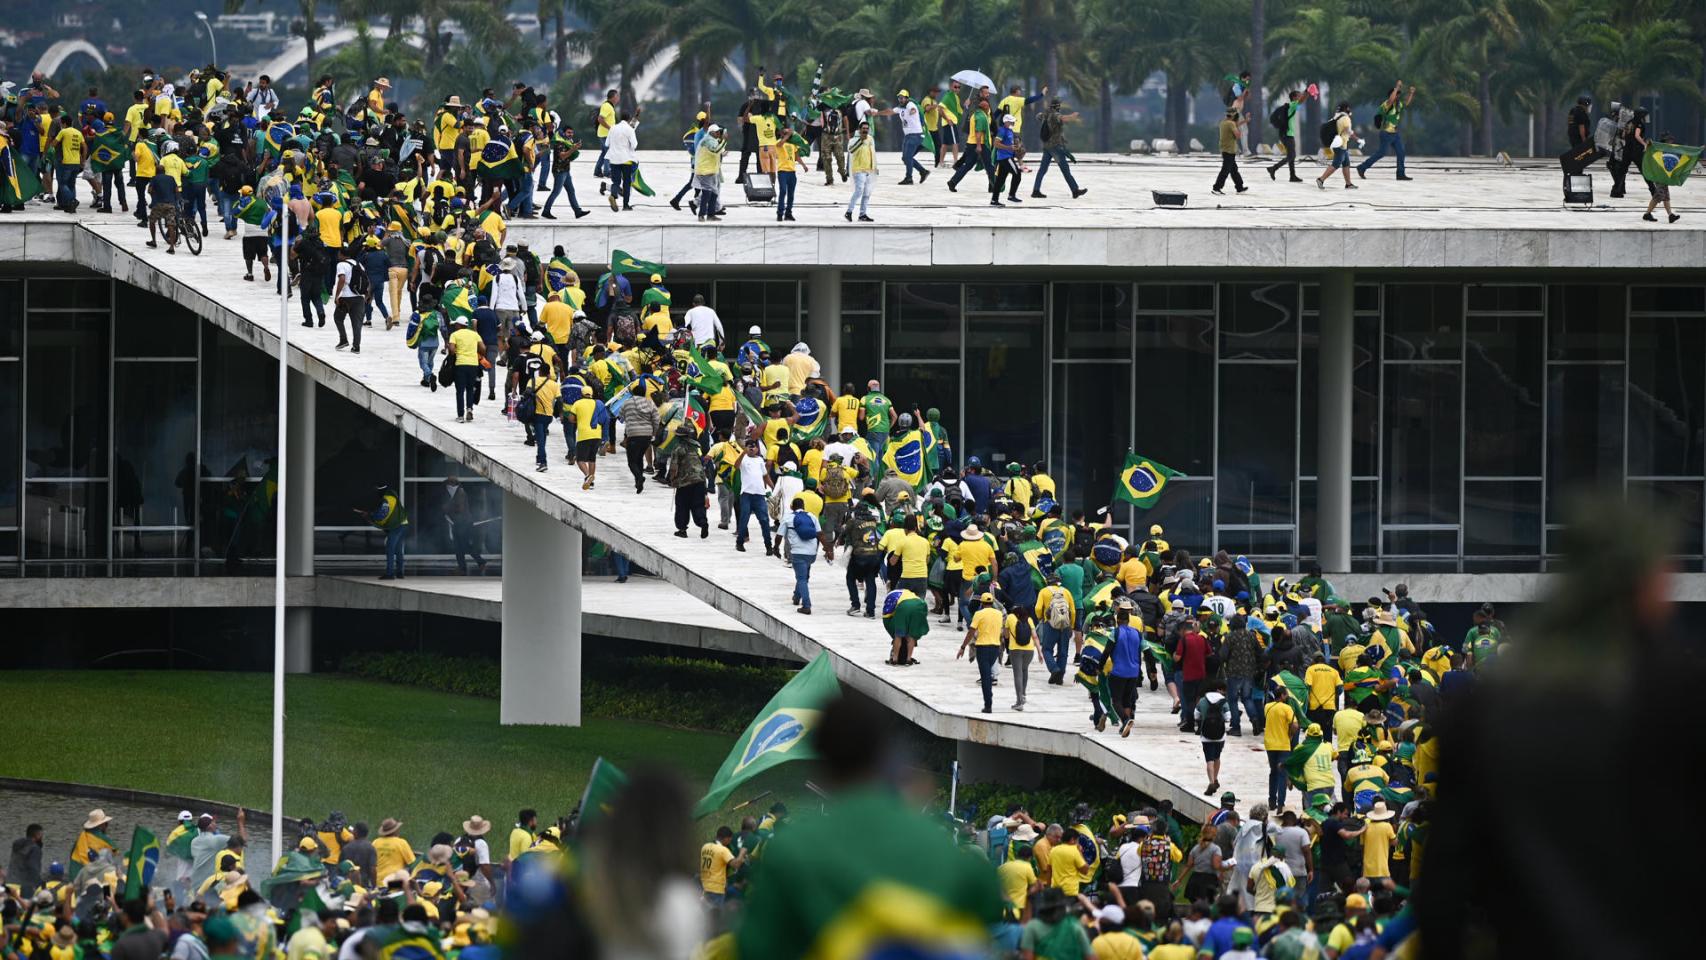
x,y
94,105
1128,652
486,324
980,490
1218,939
1004,140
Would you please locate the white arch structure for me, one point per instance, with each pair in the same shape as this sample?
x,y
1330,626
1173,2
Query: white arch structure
x,y
295,53
55,56
652,74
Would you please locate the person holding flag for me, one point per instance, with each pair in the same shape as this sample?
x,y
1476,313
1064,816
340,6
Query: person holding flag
x,y
92,842
1663,166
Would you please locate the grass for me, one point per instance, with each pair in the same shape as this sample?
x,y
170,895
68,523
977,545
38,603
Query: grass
x,y
371,750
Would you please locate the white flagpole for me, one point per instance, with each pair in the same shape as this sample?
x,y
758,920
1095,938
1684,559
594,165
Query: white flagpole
x,y
280,535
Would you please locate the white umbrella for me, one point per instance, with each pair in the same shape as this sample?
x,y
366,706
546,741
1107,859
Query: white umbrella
x,y
973,80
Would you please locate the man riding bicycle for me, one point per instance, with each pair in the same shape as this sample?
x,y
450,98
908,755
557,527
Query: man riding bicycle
x,y
166,195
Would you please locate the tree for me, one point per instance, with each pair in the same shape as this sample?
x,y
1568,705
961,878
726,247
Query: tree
x,y
1329,45
1655,57
358,62
308,27
487,55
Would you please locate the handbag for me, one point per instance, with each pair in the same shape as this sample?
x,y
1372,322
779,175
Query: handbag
x,y
447,370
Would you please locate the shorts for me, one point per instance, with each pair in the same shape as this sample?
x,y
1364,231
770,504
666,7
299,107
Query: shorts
x,y
947,135
162,211
586,451
1341,158
1659,191
254,248
1211,749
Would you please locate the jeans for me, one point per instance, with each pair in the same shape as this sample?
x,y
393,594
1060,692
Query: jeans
x,y
563,181
987,656
601,168
309,288
971,158
1020,661
1053,646
861,192
802,563
1395,142
67,176
1278,781
467,387
523,200
541,430
375,300
195,203
753,504
622,181
863,571
785,182
909,146
112,179
1238,693
1056,155
227,209
1189,692
1289,161
394,551
425,353
879,441
623,565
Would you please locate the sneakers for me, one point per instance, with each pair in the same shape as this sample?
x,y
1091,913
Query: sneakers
x,y
1402,177
848,216
865,219
1243,189
1218,192
1039,196
1273,174
587,485
1080,192
1350,186
1125,729
923,175
682,534
1675,217
1362,174
1321,183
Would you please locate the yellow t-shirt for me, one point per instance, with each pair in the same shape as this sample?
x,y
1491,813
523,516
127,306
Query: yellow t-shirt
x,y
976,555
545,393
133,117
1376,848
465,344
173,166
1323,683
1348,656
606,118
1016,878
1172,951
1318,769
913,550
308,943
865,156
557,317
445,129
331,221
765,126
987,625
1015,105
813,502
787,155
1011,631
1119,945
585,429
519,841
391,854
1347,723
773,380
1065,860
714,861
950,554
1277,719
846,412
69,140
1133,572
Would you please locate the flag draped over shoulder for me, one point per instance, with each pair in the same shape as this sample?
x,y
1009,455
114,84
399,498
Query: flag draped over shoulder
x,y
1296,692
107,153
904,457
296,867
18,181
606,782
558,273
1669,165
778,734
144,859
253,210
498,159
89,845
1299,758
1142,480
813,420
708,378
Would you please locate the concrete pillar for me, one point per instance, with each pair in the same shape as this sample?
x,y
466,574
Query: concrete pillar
x,y
823,322
1333,430
541,669
983,763
299,508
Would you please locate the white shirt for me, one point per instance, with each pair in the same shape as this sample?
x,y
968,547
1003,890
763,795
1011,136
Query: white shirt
x,y
910,120
622,145
786,489
1220,604
1131,864
506,292
346,273
860,109
705,323
845,449
752,475
263,100
482,852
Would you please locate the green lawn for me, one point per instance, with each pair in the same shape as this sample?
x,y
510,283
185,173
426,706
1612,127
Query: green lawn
x,y
369,749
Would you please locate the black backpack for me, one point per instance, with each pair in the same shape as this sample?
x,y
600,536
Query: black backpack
x,y
1214,722
1280,119
359,285
1329,130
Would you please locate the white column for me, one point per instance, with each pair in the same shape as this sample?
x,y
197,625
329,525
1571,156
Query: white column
x,y
299,504
1333,429
823,322
541,670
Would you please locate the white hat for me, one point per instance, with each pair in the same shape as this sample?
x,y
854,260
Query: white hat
x,y
185,815
1025,834
1008,119
714,128
971,532
1111,914
755,329
170,147
538,336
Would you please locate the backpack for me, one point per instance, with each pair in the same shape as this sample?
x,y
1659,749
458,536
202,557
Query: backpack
x,y
581,336
1329,131
1059,611
1280,119
1214,722
835,482
1155,859
1226,84
865,538
623,328
359,283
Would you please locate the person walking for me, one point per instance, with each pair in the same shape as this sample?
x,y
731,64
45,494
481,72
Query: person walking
x,y
708,172
458,513
832,145
639,427
687,476
787,156
911,139
1343,133
754,495
1209,712
546,396
1054,149
349,299
1127,674
607,119
1230,129
862,536
1279,735
976,155
1285,121
984,635
1007,150
862,150
564,148
1019,636
1386,119
1660,193
390,518
467,351
1057,615
621,156
803,534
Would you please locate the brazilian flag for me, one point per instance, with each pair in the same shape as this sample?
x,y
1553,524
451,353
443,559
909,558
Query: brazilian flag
x,y
1298,758
705,376
456,302
599,799
1669,165
18,181
144,859
253,210
107,153
778,734
277,139
813,419
622,261
557,274
498,159
905,615
904,457
1296,692
1142,480
641,187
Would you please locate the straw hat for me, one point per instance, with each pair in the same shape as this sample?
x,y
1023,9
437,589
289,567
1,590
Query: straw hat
x,y
476,826
382,83
1380,811
389,826
97,819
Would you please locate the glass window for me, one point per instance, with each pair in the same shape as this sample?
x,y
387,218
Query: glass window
x,y
1505,297
1258,450
355,541
861,348
426,461
148,325
927,385
431,533
1176,298
1421,543
1258,321
239,405
1004,298
1092,424
11,453
1502,401
1092,321
1421,468
1006,381
236,522
1679,503
1365,396
923,321
1584,433
354,453
861,295
1667,299
1259,544
772,304
1365,299
1667,382
1585,322
154,467
1175,361
1365,516
1185,511
65,521
1501,518
1424,321
70,293
11,318
66,431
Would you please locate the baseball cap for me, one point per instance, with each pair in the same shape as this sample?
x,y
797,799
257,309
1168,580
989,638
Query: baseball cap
x,y
1356,901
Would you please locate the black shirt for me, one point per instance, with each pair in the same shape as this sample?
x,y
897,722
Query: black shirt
x,y
1333,846
1581,126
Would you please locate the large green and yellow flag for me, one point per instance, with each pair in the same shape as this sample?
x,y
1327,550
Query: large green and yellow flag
x,y
778,734
1141,481
1669,165
498,160
606,782
18,181
107,153
623,262
144,858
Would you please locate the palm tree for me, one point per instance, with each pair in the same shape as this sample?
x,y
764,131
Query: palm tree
x,y
488,55
1326,43
1655,57
1120,53
308,27
1546,66
356,63
1192,47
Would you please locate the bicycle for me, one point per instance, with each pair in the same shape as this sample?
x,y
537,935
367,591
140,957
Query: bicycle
x,y
183,226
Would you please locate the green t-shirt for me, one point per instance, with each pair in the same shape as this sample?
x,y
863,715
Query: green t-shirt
x,y
1065,940
879,413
